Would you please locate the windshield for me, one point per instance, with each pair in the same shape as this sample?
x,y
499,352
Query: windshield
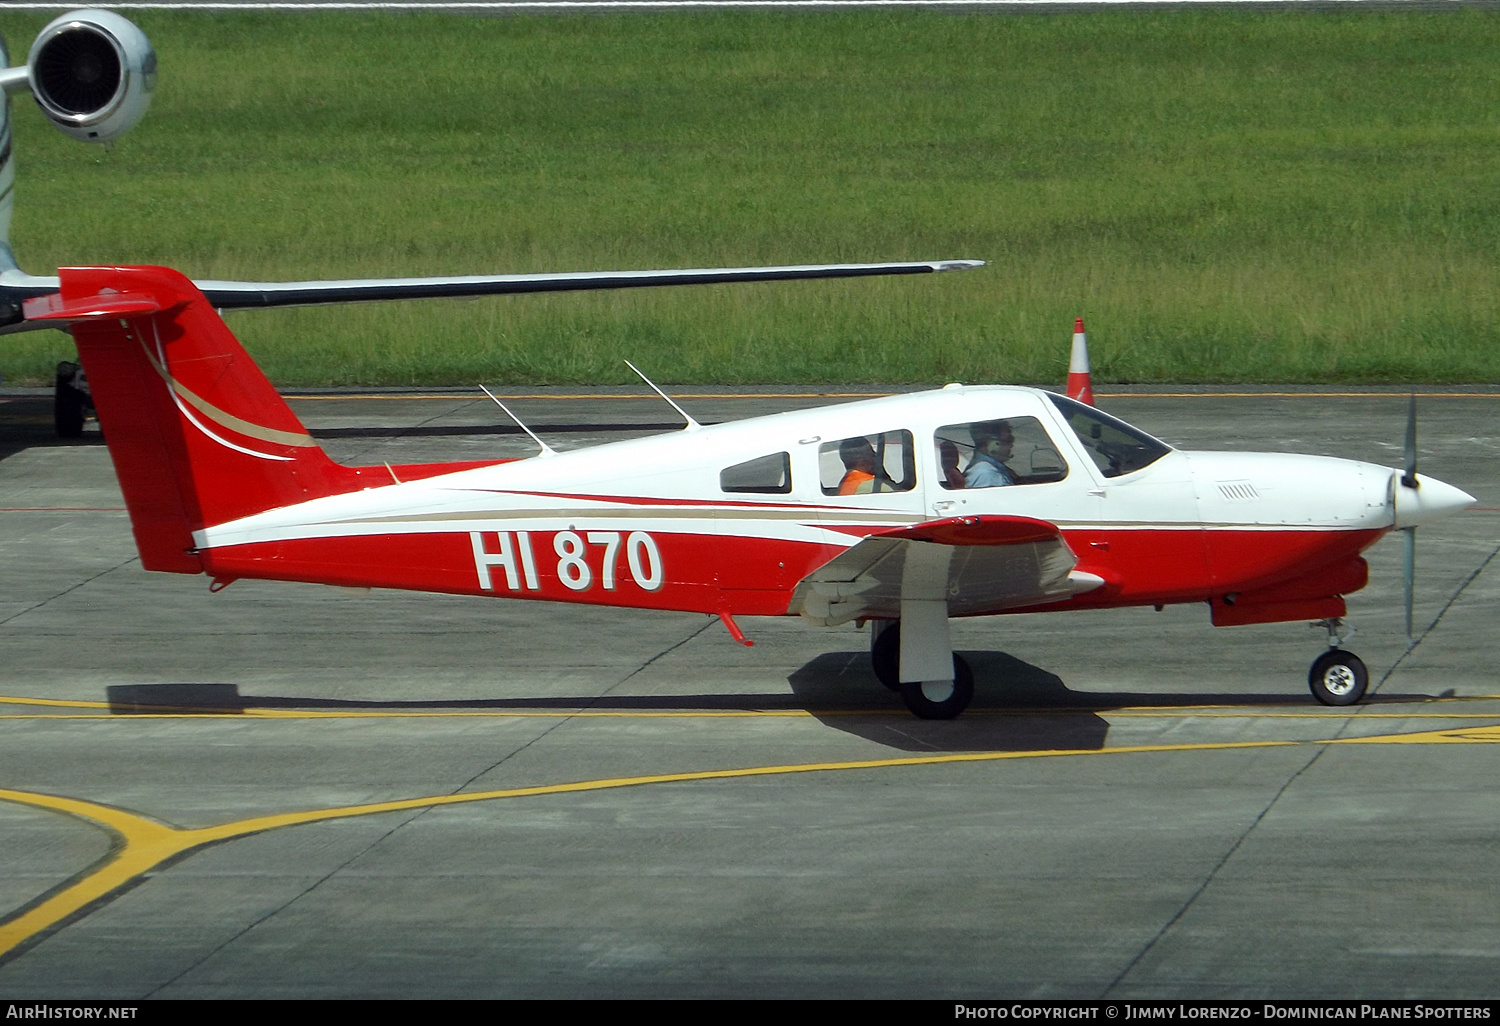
x,y
1115,447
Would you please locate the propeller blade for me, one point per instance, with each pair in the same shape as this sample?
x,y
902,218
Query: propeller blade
x,y
1410,575
1409,479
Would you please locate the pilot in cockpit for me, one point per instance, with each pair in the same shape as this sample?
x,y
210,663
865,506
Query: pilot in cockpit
x,y
993,441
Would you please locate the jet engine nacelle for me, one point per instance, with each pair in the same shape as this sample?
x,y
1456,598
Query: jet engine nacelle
x,y
92,73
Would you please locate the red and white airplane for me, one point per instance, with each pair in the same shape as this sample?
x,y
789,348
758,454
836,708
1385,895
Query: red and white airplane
x,y
905,511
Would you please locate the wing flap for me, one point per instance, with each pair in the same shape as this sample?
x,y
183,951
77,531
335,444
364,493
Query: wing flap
x,y
996,563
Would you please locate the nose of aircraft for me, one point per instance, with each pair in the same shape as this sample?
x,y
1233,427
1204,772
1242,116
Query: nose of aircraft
x,y
1430,500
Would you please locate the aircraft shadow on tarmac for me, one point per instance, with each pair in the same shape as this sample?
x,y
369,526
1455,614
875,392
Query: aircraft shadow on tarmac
x,y
1017,707
868,710
26,423
1036,711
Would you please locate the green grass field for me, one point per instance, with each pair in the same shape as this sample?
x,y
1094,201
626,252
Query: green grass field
x,y
1224,195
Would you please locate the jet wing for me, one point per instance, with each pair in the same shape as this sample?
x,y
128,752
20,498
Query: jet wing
x,y
16,287
992,563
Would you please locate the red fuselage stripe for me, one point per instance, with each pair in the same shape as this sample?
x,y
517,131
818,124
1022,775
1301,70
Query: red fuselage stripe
x,y
756,576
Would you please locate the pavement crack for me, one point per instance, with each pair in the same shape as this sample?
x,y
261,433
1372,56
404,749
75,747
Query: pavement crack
x,y
568,718
1209,879
155,991
406,822
1354,713
406,431
923,743
409,820
1438,619
68,591
660,655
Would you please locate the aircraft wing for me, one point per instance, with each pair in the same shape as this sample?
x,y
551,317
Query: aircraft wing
x,y
16,287
992,563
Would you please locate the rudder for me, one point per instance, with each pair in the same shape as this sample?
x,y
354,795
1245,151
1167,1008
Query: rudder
x,y
197,434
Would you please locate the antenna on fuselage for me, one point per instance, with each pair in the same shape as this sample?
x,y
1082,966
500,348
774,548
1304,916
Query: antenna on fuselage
x,y
547,450
692,425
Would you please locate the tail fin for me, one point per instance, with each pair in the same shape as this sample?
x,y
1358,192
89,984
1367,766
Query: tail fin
x,y
197,434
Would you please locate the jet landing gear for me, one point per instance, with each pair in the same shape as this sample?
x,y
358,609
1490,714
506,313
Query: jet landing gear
x,y
928,700
71,400
1337,677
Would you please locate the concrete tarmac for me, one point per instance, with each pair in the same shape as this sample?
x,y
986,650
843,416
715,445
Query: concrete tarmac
x,y
377,794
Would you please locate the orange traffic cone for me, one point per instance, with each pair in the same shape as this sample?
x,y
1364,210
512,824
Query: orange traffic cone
x,y
1080,386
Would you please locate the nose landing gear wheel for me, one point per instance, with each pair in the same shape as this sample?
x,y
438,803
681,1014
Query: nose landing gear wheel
x,y
937,700
1338,678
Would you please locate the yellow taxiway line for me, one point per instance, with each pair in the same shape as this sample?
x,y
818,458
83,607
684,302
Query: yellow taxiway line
x,y
142,844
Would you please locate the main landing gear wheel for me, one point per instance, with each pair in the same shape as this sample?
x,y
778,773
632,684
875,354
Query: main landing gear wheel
x,y
930,701
1338,678
885,657
940,700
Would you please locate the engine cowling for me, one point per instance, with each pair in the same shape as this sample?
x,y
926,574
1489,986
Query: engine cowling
x,y
92,73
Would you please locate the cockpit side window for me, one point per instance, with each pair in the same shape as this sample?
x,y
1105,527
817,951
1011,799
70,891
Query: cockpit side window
x,y
991,453
764,475
866,464
1114,446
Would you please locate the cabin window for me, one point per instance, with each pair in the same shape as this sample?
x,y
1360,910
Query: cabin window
x,y
866,464
992,453
1114,446
764,475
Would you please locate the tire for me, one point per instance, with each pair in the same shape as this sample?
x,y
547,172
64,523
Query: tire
x,y
68,404
1338,678
885,657
947,707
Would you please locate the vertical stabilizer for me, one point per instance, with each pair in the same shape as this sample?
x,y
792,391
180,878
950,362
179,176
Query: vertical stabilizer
x,y
197,433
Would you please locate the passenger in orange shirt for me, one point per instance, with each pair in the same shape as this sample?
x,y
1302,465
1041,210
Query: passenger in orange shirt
x,y
859,466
